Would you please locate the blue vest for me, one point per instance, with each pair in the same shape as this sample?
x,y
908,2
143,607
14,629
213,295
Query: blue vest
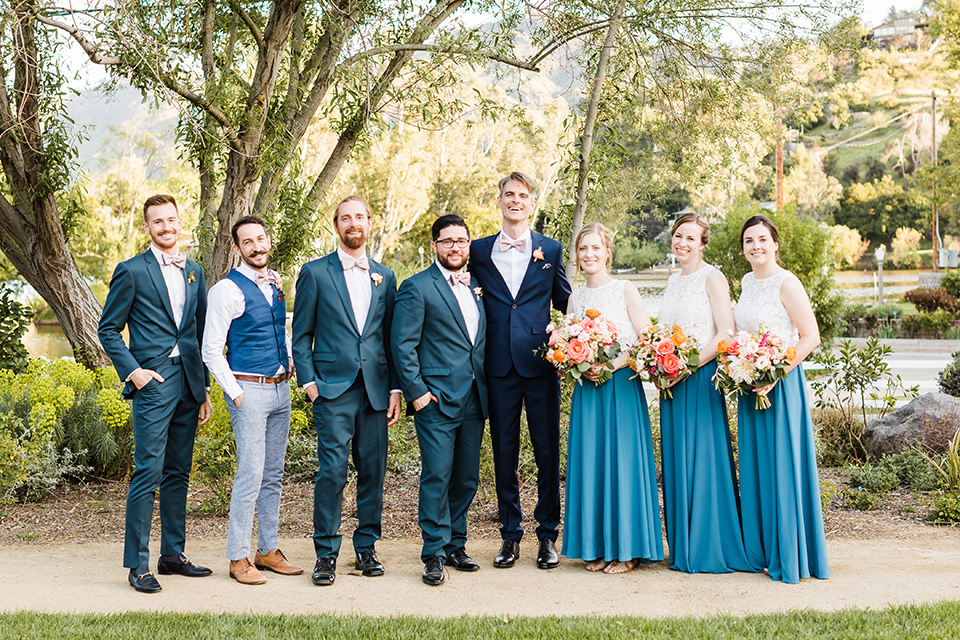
x,y
256,341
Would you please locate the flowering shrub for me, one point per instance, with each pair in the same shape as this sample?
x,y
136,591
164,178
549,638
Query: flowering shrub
x,y
932,300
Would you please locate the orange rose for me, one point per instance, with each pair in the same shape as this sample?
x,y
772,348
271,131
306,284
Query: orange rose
x,y
678,338
722,346
559,356
670,364
593,314
665,346
733,349
791,354
578,351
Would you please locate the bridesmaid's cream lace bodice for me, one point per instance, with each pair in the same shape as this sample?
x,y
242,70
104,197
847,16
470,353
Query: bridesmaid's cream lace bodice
x,y
685,303
608,300
760,303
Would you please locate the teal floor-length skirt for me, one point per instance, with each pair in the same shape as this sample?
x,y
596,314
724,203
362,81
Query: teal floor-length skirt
x,y
700,502
612,511
779,484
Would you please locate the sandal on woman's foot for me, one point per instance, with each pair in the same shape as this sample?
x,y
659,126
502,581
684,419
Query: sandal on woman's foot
x,y
621,567
597,565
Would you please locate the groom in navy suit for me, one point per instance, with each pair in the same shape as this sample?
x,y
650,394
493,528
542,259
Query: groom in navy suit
x,y
438,338
160,297
522,275
341,351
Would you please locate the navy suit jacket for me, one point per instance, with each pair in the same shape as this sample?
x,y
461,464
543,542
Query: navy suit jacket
x,y
328,348
431,345
138,299
517,327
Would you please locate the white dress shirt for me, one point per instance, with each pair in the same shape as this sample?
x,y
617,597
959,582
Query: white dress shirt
x,y
176,283
225,303
512,263
360,288
468,303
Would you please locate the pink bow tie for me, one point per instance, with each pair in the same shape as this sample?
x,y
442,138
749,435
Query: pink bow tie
x,y
349,262
506,244
179,261
272,277
461,277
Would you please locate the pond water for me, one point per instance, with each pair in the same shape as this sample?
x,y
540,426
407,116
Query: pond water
x,y
856,286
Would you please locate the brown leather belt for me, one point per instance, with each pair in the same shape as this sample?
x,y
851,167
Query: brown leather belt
x,y
263,379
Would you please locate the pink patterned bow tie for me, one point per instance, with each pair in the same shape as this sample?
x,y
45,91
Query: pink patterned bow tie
x,y
506,244
461,277
179,261
272,277
349,262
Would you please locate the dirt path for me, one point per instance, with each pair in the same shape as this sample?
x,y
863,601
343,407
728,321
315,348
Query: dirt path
x,y
86,577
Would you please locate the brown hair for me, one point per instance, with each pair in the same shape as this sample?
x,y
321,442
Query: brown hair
x,y
693,217
245,220
604,233
158,199
766,222
522,178
336,210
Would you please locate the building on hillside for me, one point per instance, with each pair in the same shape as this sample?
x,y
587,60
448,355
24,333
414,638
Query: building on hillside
x,y
902,32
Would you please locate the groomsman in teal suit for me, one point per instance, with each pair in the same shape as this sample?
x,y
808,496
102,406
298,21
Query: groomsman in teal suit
x,y
341,351
439,332
160,297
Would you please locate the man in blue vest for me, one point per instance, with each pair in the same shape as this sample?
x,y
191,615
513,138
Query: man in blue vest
x,y
247,315
522,274
160,297
438,338
341,347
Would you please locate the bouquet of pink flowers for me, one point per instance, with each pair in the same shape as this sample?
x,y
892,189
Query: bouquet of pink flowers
x,y
664,354
752,360
577,343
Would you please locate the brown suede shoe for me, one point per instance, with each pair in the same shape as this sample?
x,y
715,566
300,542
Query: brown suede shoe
x,y
275,561
245,573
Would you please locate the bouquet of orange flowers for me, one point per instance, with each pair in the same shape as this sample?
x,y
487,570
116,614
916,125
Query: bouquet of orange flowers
x,y
752,360
577,343
664,354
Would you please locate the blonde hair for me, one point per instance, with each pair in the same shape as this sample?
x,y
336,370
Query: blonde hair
x,y
693,217
522,178
354,198
605,238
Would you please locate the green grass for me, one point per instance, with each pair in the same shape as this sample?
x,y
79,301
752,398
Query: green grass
x,y
914,622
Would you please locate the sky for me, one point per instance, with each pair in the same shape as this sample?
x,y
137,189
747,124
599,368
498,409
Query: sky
x,y
876,10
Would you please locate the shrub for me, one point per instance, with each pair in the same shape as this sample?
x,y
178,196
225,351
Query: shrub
x,y
853,313
634,252
929,322
905,247
874,478
912,470
932,300
950,282
861,499
14,322
946,507
847,246
950,377
839,438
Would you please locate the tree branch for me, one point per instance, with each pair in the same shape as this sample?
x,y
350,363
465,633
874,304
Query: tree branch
x,y
392,48
248,20
92,50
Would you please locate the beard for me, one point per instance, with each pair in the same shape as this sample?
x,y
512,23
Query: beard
x,y
256,260
353,242
445,261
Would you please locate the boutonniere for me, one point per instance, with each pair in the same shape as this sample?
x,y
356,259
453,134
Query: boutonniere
x,y
538,254
547,265
477,291
376,277
191,277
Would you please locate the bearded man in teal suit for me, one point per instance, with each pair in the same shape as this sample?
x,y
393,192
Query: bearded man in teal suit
x,y
341,351
438,338
160,297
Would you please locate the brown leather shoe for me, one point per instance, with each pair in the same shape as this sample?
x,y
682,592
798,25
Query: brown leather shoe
x,y
245,573
275,561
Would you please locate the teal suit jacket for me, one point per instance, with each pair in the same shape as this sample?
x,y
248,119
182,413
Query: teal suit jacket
x,y
328,347
431,345
138,299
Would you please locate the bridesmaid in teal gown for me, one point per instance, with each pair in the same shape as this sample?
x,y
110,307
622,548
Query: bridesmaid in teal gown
x,y
700,502
612,515
779,485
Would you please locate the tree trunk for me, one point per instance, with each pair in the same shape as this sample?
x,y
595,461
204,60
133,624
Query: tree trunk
x,y
586,138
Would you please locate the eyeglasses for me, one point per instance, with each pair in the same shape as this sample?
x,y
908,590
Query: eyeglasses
x,y
447,243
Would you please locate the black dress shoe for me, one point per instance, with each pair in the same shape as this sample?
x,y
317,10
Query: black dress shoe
x,y
459,560
509,552
433,572
180,565
547,556
324,572
143,582
368,563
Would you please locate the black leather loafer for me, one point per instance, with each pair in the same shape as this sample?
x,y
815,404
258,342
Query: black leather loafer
x,y
143,582
459,560
509,552
368,563
547,556
324,572
433,572
181,566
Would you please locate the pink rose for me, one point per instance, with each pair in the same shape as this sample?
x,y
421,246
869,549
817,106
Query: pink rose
x,y
665,347
578,351
670,364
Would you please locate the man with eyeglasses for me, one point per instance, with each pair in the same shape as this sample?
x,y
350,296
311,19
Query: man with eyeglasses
x,y
438,337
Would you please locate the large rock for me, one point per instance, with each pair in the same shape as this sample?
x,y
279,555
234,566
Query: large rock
x,y
930,420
